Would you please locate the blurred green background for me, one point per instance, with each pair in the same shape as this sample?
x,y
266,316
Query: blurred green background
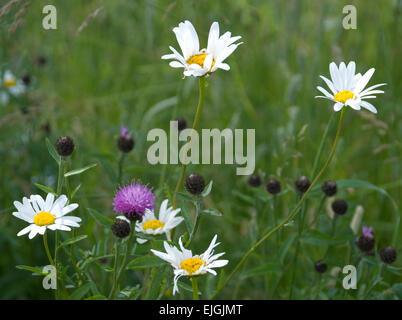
x,y
110,74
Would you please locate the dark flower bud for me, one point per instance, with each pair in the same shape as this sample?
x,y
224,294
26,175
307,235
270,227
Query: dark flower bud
x,y
339,206
64,146
121,228
388,255
329,187
254,181
302,184
320,267
181,124
273,186
125,143
26,79
365,244
41,60
195,184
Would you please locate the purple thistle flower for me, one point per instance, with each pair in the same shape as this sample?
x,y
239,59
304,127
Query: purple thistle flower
x,y
133,199
124,132
368,232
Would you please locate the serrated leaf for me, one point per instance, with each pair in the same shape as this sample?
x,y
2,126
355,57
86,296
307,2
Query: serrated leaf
x,y
79,171
208,189
145,262
213,212
73,240
53,152
45,188
100,218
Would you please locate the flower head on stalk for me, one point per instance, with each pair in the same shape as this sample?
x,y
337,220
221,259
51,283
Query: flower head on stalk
x,y
166,221
202,62
133,199
45,214
188,265
10,85
125,143
348,88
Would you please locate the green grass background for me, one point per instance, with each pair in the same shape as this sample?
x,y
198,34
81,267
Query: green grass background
x,y
111,74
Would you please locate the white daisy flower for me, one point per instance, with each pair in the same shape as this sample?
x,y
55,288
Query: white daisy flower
x,y
155,226
348,88
198,62
189,265
45,214
10,85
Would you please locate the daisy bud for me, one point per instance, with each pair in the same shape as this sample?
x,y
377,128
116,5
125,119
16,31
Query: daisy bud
x,y
125,143
273,186
388,255
329,187
320,267
302,184
64,146
366,241
195,184
121,228
26,78
181,124
254,181
339,206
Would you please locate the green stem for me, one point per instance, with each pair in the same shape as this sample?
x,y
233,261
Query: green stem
x,y
195,125
195,288
47,249
120,168
116,258
294,211
197,221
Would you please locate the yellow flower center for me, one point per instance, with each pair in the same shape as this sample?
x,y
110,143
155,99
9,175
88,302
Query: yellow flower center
x,y
44,219
10,82
191,265
199,59
153,224
343,96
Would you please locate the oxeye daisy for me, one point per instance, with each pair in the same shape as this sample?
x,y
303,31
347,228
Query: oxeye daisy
x,y
45,214
133,199
202,62
11,86
348,88
188,265
165,222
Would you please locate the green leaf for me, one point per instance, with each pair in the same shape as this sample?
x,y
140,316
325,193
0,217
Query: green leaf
x,y
100,218
285,248
73,240
79,171
53,151
187,220
35,270
145,262
80,292
208,189
262,270
75,191
45,188
186,287
213,212
185,197
243,197
97,297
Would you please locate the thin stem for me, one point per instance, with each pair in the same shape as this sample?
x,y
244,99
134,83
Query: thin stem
x,y
293,212
197,221
116,258
47,249
195,288
376,281
195,125
120,168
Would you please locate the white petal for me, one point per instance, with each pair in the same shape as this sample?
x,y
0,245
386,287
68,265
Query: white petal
x,y
24,231
368,106
363,81
338,106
